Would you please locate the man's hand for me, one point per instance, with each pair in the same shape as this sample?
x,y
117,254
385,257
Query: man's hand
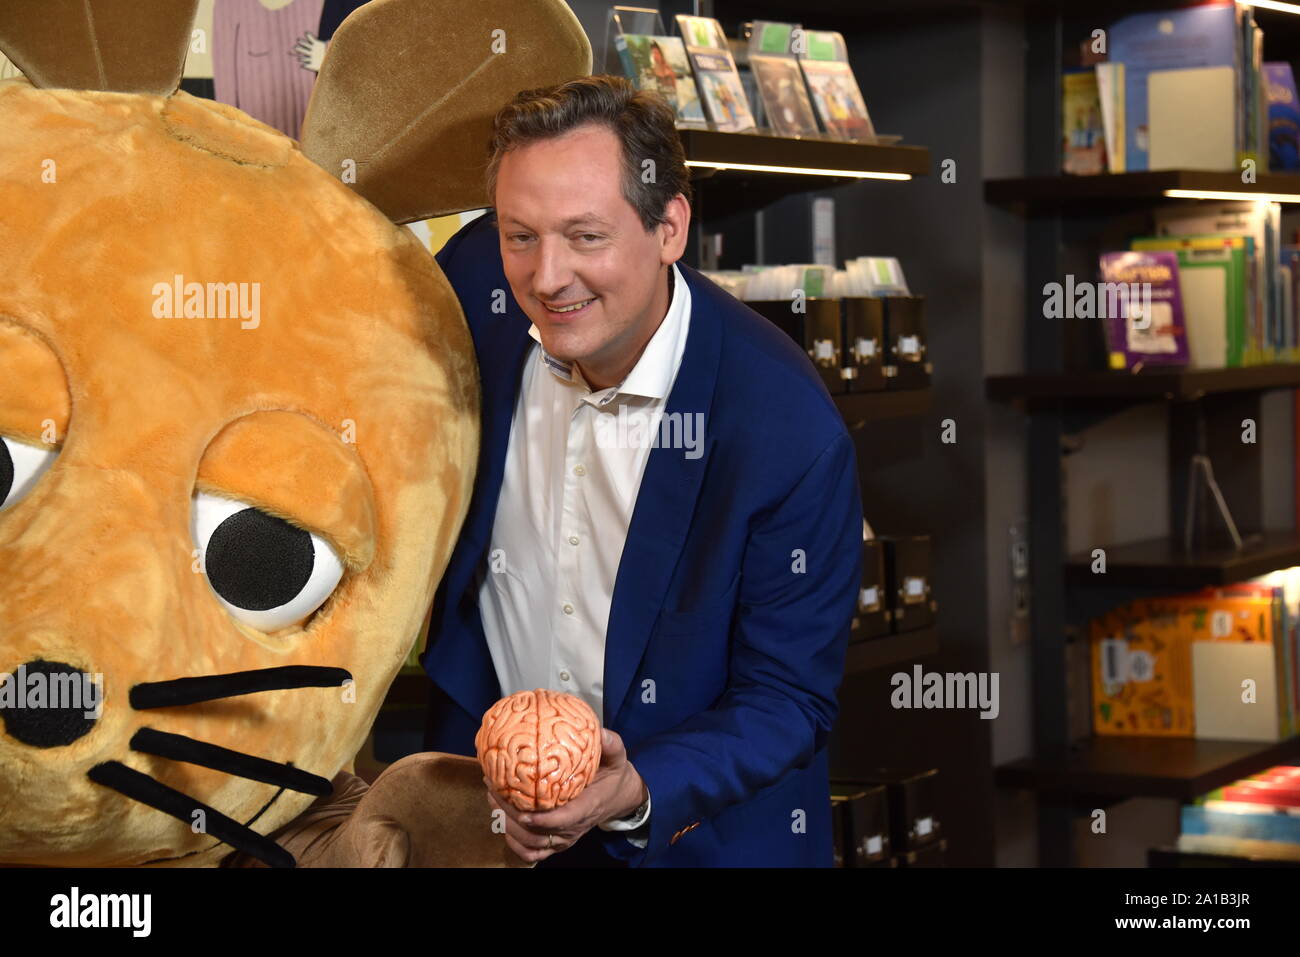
x,y
616,791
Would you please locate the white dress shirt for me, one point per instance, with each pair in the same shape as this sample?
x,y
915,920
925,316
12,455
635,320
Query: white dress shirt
x,y
570,485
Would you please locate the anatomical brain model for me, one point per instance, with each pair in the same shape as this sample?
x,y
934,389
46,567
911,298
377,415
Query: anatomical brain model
x,y
539,749
238,418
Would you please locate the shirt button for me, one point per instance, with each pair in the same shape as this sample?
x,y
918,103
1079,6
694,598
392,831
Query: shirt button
x,y
573,539
580,470
568,609
564,676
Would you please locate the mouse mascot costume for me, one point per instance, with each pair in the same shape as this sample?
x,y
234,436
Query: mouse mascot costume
x,y
238,432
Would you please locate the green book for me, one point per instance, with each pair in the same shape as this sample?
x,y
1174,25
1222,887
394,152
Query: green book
x,y
1212,274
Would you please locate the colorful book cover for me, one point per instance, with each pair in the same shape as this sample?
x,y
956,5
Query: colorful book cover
x,y
659,64
1167,40
1142,660
1083,146
785,98
1142,306
1209,347
716,77
838,100
1283,117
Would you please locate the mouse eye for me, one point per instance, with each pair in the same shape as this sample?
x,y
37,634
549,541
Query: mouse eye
x,y
269,574
20,467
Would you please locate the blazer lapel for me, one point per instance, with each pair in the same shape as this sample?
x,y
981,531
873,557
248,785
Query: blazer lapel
x,y
664,507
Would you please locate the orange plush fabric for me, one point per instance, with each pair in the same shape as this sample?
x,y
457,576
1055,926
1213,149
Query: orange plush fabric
x,y
190,304
358,330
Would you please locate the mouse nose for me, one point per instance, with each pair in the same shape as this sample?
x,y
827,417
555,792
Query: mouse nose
x,y
48,704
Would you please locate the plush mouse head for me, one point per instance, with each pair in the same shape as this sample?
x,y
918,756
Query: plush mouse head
x,y
238,411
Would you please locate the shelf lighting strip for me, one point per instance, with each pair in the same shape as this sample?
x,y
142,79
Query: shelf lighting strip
x,y
1270,5
803,170
1222,194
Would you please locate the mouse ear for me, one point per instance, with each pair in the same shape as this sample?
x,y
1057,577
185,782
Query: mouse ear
x,y
402,110
126,46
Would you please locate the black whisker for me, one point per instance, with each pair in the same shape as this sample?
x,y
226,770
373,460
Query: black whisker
x,y
181,691
191,751
140,787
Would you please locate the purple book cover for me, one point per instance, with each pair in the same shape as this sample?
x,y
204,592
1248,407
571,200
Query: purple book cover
x,y
1141,304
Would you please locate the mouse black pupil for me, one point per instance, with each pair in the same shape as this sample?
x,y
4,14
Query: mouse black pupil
x,y
257,562
6,471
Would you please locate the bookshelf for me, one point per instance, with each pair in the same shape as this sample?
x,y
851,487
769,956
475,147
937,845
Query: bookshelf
x,y
1115,768
1041,194
1066,222
905,646
727,185
859,408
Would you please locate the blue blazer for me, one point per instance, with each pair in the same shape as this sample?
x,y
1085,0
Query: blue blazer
x,y
731,608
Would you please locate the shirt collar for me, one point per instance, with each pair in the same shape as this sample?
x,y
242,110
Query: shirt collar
x,y
654,372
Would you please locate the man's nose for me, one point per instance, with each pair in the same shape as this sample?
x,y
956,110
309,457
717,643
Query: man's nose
x,y
46,704
554,273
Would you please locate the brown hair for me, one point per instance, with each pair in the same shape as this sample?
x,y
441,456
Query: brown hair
x,y
642,121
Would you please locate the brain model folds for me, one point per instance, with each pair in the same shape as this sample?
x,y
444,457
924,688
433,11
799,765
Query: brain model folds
x,y
539,749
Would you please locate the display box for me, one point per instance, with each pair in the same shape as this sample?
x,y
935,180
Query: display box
x,y
863,826
872,617
864,343
907,355
913,803
817,330
907,581
932,855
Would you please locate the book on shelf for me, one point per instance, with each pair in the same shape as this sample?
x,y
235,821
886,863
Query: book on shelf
x,y
1083,147
1283,117
833,87
1268,332
659,64
1220,664
780,84
1110,95
1199,38
1212,282
716,77
1142,306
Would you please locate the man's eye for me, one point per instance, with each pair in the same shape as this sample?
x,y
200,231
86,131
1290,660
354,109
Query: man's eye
x,y
591,237
518,238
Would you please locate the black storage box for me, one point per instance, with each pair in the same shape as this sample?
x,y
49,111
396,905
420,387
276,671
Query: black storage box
x,y
816,330
871,620
913,798
907,581
907,356
864,343
863,811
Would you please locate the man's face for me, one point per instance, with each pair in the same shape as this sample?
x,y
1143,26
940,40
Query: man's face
x,y
570,239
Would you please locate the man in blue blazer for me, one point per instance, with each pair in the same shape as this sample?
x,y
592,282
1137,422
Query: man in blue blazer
x,y
696,590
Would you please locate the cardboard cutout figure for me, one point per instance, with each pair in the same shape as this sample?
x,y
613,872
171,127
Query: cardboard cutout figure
x,y
238,431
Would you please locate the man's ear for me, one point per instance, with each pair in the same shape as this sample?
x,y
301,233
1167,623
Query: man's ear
x,y
675,230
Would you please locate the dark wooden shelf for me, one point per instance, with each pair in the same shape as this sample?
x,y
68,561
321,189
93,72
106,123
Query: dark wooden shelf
x,y
1159,563
757,148
858,408
1049,193
1172,857
890,650
1043,391
723,192
1178,768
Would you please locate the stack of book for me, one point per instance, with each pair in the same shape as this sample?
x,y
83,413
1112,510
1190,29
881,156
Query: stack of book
x,y
1222,287
1221,664
1257,816
1180,89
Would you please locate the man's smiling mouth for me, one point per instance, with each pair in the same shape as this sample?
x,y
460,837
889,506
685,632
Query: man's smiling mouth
x,y
572,307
